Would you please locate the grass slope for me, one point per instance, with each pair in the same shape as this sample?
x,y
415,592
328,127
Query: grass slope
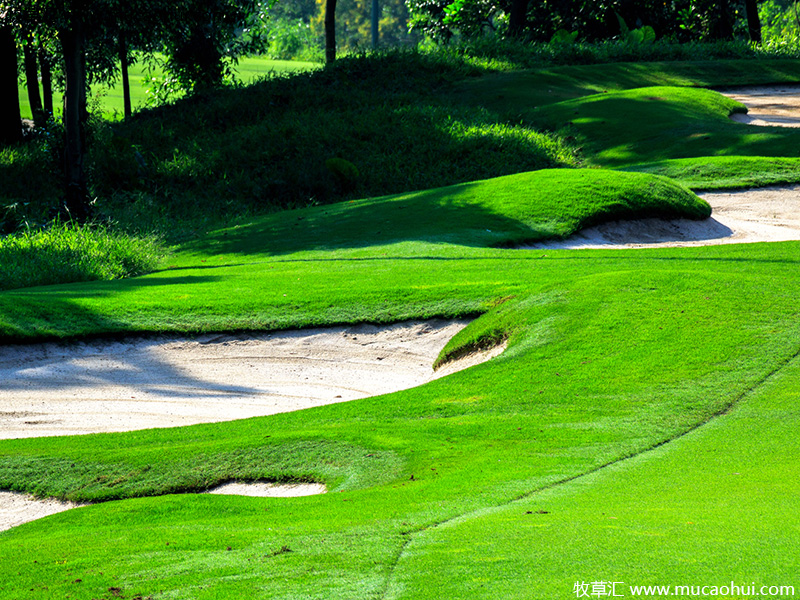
x,y
713,507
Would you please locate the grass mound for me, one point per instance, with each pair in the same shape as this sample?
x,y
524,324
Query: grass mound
x,y
504,211
66,253
269,146
652,124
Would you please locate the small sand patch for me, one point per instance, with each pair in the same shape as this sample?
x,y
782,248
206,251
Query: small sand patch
x,y
768,106
16,509
269,490
746,216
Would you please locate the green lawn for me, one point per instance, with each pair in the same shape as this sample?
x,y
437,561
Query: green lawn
x,y
640,428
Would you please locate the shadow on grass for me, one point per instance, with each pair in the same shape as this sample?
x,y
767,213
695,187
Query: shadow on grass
x,y
446,215
655,124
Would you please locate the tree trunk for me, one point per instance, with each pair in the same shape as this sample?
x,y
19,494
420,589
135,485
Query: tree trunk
x,y
45,64
126,84
375,16
721,27
753,21
10,119
330,31
73,42
518,19
32,80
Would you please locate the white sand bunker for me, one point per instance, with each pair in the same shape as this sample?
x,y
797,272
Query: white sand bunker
x,y
269,490
103,386
16,509
768,106
760,215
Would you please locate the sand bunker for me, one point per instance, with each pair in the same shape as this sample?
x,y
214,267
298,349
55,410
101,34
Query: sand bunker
x,y
762,215
768,106
121,385
16,509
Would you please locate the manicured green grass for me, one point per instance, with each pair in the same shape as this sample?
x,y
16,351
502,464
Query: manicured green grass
x,y
655,386
609,354
713,507
715,172
670,123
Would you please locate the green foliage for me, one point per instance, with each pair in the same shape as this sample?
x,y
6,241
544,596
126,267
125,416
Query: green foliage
x,y
641,35
441,20
292,39
30,178
345,173
780,20
493,53
66,253
562,36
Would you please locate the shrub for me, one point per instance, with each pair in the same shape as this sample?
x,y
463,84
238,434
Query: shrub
x,y
67,253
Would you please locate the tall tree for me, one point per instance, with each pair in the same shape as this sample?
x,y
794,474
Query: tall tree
x,y
330,31
46,66
10,118
518,18
31,62
753,20
72,34
123,67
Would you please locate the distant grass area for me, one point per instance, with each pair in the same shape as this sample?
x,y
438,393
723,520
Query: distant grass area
x,y
248,69
514,93
716,172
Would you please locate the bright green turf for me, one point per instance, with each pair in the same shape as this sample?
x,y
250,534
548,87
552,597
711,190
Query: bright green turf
x,y
610,354
613,357
716,506
247,70
715,172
